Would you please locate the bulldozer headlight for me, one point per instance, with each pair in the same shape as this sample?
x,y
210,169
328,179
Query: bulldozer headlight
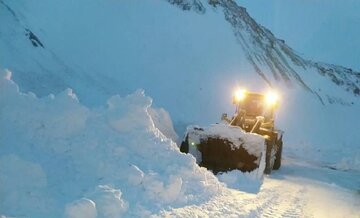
x,y
271,98
239,95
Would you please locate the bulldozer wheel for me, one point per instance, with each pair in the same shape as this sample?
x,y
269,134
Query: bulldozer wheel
x,y
184,147
277,163
269,147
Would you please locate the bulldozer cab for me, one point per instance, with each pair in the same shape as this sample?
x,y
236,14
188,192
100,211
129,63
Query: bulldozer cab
x,y
250,107
253,106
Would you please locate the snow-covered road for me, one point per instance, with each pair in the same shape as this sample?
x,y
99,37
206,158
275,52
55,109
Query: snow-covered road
x,y
298,189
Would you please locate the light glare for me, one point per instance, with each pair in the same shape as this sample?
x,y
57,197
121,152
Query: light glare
x,y
240,95
272,98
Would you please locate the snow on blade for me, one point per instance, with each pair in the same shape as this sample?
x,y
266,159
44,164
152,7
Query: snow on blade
x,y
60,158
253,144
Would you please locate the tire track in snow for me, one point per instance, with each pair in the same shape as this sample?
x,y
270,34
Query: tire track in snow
x,y
281,195
279,201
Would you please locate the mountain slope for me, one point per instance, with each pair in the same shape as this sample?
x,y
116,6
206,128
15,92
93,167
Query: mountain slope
x,y
321,30
271,55
38,68
273,60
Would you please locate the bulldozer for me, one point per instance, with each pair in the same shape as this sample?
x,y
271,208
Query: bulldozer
x,y
247,141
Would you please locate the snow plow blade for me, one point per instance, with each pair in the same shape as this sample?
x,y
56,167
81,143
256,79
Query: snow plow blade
x,y
222,148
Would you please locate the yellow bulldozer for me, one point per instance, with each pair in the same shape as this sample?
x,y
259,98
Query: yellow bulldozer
x,y
247,141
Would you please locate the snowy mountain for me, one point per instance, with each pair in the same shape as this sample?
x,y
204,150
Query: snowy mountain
x,y
271,58
103,148
320,30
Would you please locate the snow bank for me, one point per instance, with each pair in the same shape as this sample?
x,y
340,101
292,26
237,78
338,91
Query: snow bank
x,y
243,181
83,208
60,158
163,122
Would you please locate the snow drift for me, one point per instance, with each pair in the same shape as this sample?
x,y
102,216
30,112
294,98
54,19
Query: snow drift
x,y
58,157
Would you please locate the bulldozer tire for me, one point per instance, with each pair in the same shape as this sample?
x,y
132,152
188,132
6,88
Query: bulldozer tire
x,y
184,147
269,147
277,163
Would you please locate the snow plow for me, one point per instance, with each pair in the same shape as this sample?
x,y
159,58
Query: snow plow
x,y
248,141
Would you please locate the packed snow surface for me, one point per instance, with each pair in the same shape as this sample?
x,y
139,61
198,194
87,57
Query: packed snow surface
x,y
287,193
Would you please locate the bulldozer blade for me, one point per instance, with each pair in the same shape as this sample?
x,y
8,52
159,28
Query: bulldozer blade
x,y
222,148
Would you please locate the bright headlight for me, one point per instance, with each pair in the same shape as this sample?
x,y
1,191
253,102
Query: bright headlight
x,y
271,98
239,95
